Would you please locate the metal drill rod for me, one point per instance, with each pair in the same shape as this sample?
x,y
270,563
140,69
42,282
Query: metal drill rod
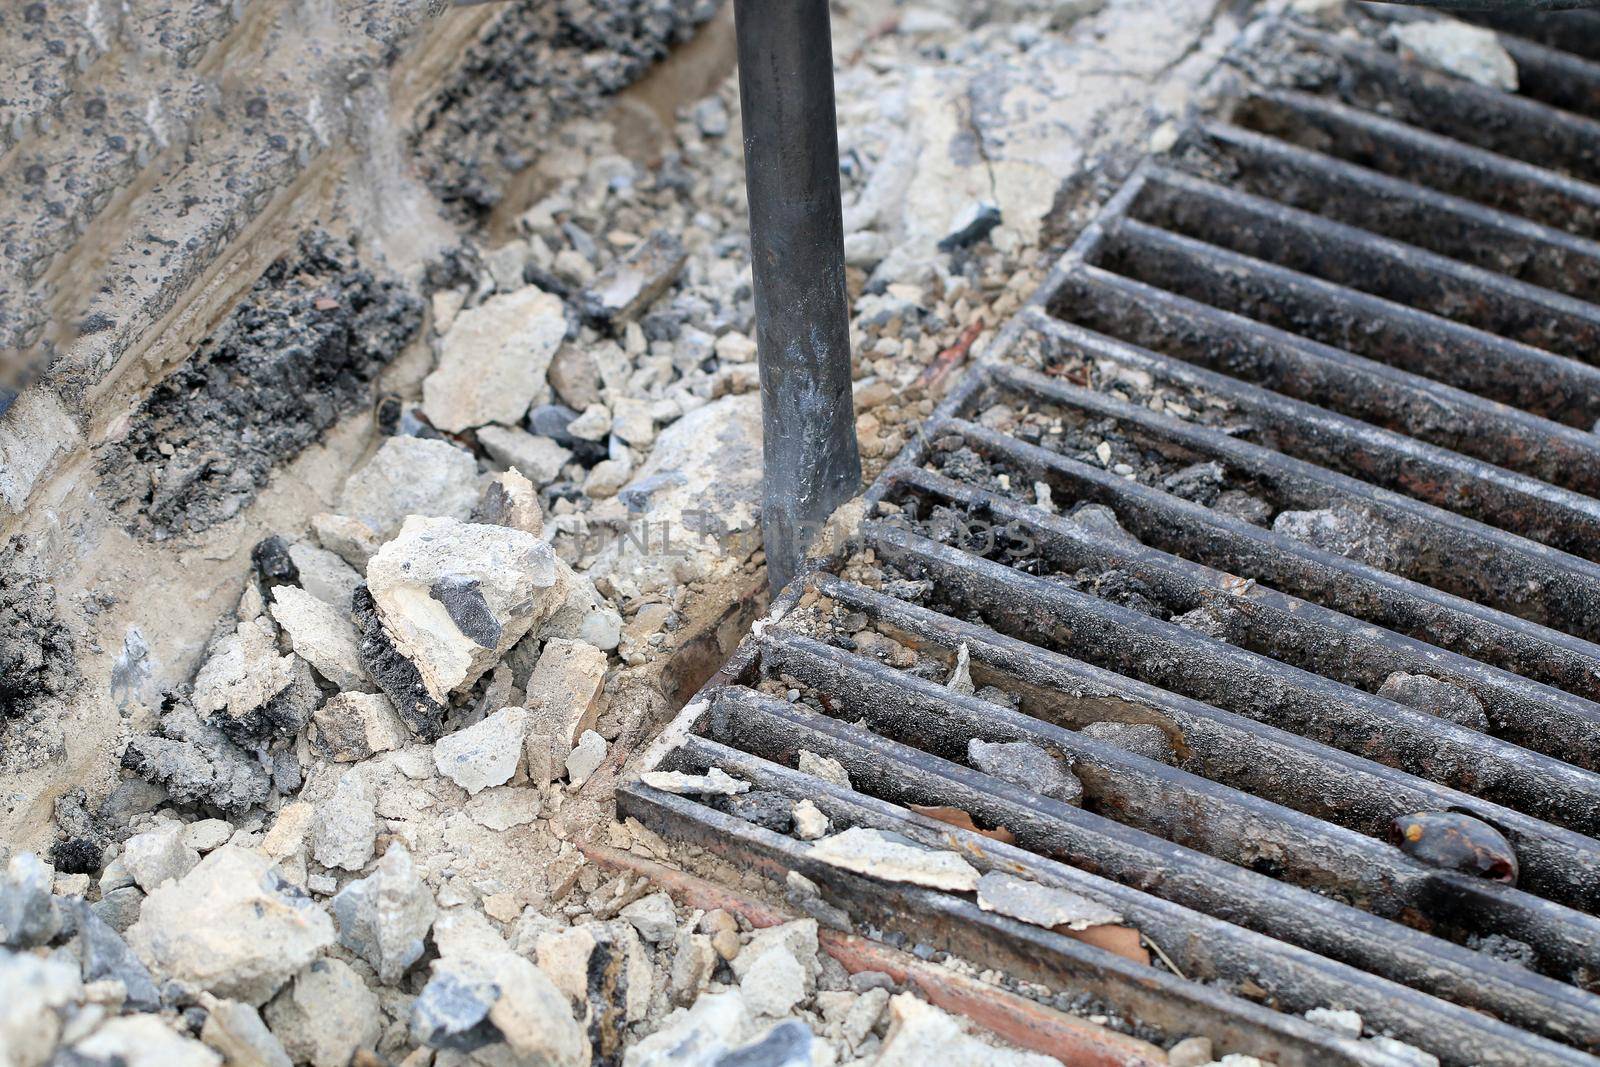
x,y
791,155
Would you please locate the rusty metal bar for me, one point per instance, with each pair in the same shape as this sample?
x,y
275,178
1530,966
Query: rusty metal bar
x,y
1319,247
1391,147
791,153
1194,531
1313,638
1402,210
1446,550
1206,914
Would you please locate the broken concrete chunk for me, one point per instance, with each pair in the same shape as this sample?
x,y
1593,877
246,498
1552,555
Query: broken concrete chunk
x,y
632,283
411,476
493,361
232,927
585,757
1141,738
654,917
960,680
103,956
699,1037
322,635
241,677
1028,765
715,782
455,596
1041,905
27,913
394,674
197,764
809,821
206,835
503,807
825,767
384,917
1470,52
895,859
564,688
142,1041
484,754
920,1034
351,727
350,539
346,826
325,1015
325,575
510,500
1346,1023
236,1031
158,856
540,459
1436,697
583,615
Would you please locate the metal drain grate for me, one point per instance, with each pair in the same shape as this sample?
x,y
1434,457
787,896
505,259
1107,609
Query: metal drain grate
x,y
1331,364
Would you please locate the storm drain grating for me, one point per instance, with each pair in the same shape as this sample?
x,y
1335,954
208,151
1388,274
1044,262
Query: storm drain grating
x,y
1299,435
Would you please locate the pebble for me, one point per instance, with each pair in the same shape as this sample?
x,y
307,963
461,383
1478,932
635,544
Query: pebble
x,y
27,914
322,635
694,960
1345,1023
1470,52
825,767
540,459
630,284
351,727
503,807
204,835
142,1041
1190,1052
654,917
236,1030
809,821
723,929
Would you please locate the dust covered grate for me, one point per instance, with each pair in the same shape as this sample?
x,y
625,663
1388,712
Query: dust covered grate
x,y
1275,520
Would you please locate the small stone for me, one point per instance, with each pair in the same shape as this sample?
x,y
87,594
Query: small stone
x,y
809,821
697,1038
346,827
694,959
484,754
585,757
960,680
325,1015
631,420
711,116
584,615
27,914
592,425
236,1031
825,767
322,635
1190,1052
723,929
715,782
1470,52
157,857
1027,765
631,284
384,917
502,808
271,560
452,1012
772,979
1436,697
1344,1023
540,459
493,361
36,995
565,686
119,909
505,265
232,926
1041,905
325,575
575,376
104,956
510,500
1140,738
348,538
410,476
351,727
243,687
142,1041
654,917
454,597
607,478
290,829
895,859
205,835
1345,530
